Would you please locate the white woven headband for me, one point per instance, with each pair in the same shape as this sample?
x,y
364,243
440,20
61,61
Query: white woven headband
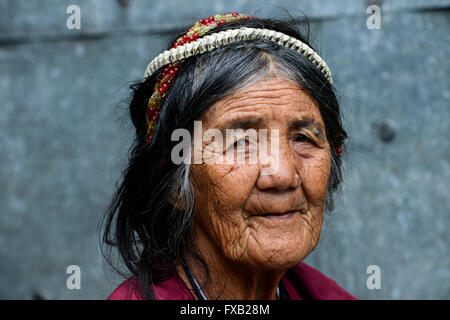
x,y
215,40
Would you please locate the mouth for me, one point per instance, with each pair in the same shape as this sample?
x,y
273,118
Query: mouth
x,y
278,216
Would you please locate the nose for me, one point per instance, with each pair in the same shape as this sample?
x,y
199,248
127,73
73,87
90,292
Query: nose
x,y
281,171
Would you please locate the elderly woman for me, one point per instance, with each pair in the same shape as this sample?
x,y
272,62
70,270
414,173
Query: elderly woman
x,y
217,229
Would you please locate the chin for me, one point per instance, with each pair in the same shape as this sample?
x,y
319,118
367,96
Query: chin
x,y
278,255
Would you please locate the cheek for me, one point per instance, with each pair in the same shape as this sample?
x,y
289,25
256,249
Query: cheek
x,y
222,193
229,185
315,172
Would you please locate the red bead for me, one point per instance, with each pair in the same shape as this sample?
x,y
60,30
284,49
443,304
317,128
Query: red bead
x,y
176,69
171,73
166,70
185,38
235,14
191,39
169,82
222,22
165,86
154,118
170,66
175,45
181,42
161,90
211,18
195,36
201,21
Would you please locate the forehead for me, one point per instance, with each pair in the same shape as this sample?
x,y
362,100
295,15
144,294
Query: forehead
x,y
274,99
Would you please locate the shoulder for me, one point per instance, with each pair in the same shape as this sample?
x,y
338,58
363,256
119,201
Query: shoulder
x,y
127,290
172,288
306,282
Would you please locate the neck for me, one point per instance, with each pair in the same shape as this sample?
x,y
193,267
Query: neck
x,y
229,280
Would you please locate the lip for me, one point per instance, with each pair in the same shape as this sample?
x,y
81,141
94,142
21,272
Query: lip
x,y
278,216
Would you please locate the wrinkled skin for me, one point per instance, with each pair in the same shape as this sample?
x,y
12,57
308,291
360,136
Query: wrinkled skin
x,y
238,228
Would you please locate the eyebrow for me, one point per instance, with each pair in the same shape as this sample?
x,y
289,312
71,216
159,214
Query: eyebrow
x,y
251,122
239,123
308,123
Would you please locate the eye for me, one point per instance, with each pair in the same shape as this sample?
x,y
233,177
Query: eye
x,y
302,138
241,142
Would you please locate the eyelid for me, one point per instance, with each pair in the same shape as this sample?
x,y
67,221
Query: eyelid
x,y
251,140
310,137
242,135
245,137
305,133
313,139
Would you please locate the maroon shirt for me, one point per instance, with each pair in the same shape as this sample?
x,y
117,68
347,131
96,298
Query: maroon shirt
x,y
302,282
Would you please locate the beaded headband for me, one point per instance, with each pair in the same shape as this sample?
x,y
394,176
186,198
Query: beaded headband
x,y
177,54
191,44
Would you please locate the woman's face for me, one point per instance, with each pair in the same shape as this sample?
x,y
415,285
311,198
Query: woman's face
x,y
268,221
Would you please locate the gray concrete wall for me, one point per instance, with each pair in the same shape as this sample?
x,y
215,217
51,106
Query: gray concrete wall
x,y
63,146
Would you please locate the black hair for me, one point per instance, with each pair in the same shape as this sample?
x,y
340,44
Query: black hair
x,y
148,231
